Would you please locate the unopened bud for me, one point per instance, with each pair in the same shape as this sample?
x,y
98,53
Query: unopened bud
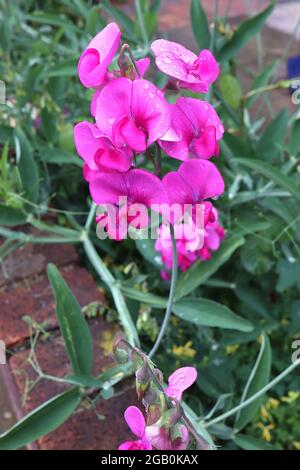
x,y
142,380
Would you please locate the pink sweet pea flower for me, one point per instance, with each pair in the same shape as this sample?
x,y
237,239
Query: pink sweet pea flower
x,y
94,61
193,72
139,188
214,233
180,381
142,66
199,127
193,183
133,114
137,424
160,437
98,151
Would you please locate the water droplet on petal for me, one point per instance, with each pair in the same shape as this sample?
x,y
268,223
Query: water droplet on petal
x,y
146,86
111,121
167,60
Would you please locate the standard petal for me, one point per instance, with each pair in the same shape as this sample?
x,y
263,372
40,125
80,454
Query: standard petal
x,y
107,187
180,380
150,110
207,66
172,58
87,142
93,63
145,188
135,420
203,177
113,104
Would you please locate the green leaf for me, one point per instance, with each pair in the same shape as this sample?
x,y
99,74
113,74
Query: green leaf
x,y
273,137
64,68
200,272
11,216
259,377
146,248
27,166
200,24
260,81
246,31
231,90
294,143
73,326
251,443
205,312
41,421
271,173
289,274
144,297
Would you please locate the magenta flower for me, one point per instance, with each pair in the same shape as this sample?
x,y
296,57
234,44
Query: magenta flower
x,y
180,381
160,437
142,66
133,114
94,61
193,183
98,151
137,424
214,233
199,127
193,72
131,193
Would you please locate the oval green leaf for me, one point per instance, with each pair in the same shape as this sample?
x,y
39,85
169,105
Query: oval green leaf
x,y
206,312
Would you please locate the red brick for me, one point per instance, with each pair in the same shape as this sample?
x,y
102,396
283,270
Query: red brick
x,y
35,299
33,259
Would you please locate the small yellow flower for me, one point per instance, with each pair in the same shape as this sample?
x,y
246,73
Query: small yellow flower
x,y
273,403
296,444
231,349
292,396
266,434
264,413
184,351
107,340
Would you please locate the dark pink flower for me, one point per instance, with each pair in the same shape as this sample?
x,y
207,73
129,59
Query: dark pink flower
x,y
130,193
133,114
199,127
194,182
214,233
193,72
142,66
98,151
160,437
94,61
137,424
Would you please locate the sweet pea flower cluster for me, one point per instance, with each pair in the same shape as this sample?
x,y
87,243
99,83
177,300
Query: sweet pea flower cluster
x,y
167,432
133,125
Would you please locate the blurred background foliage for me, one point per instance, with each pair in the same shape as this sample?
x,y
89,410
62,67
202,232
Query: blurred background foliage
x,y
256,272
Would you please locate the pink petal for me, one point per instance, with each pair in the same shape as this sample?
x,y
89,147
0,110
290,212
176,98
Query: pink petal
x,y
135,420
127,132
180,380
150,109
98,55
206,145
137,185
113,159
208,67
172,58
195,181
143,65
113,104
94,102
87,141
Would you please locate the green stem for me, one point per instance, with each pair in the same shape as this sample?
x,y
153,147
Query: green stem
x,y
255,396
141,21
116,293
171,295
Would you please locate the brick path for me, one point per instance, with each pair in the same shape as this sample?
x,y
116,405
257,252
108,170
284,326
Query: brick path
x,y
25,290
